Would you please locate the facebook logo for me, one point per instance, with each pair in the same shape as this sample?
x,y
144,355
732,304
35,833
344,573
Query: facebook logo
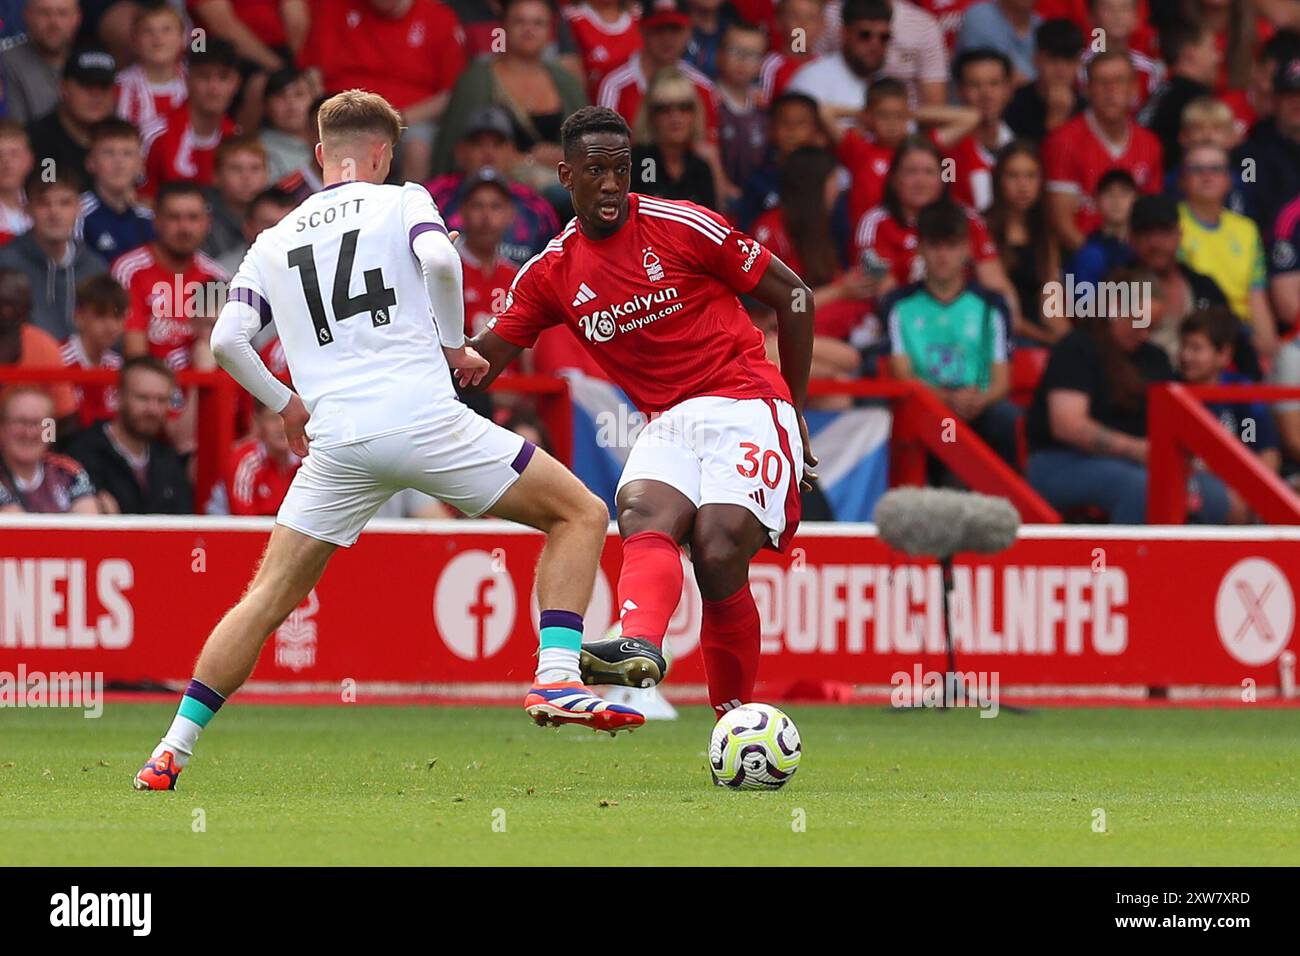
x,y
474,605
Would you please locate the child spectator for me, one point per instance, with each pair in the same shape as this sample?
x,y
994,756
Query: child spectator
x,y
799,25
983,79
239,174
33,479
287,136
261,466
16,163
1193,60
169,280
1107,246
951,334
792,123
1040,106
1224,245
99,318
155,84
112,221
1078,153
183,144
1017,222
50,255
606,34
742,126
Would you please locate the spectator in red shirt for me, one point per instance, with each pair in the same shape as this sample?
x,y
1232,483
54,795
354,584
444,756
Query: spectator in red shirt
x,y
264,32
1118,21
155,84
410,52
1105,135
261,467
170,281
32,478
183,144
799,25
16,161
983,80
486,213
23,345
100,317
606,35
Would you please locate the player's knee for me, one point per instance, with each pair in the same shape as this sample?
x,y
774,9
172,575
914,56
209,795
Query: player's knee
x,y
592,515
718,556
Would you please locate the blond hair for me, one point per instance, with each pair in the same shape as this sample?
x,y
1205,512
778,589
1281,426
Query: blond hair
x,y
664,85
1207,111
355,112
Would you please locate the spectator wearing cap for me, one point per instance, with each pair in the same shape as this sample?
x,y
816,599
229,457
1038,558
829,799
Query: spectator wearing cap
x,y
1274,149
1107,246
16,163
1155,233
86,98
50,255
537,95
1005,25
30,72
286,133
485,214
183,144
129,458
267,208
154,85
23,345
668,129
239,175
488,141
665,35
410,52
1053,96
113,221
33,479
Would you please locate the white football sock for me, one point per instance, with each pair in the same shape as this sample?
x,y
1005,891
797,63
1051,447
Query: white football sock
x,y
179,739
557,665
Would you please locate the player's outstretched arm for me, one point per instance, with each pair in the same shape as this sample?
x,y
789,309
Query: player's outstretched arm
x,y
792,301
498,352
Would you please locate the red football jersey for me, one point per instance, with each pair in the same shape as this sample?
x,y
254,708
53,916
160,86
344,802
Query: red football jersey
x,y
163,302
406,60
895,243
604,46
624,88
94,402
973,166
655,304
172,151
775,74
949,14
485,287
255,484
1148,74
868,165
262,17
1076,156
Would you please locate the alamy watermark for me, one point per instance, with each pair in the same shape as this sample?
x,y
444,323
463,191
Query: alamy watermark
x,y
922,688
1090,300
82,690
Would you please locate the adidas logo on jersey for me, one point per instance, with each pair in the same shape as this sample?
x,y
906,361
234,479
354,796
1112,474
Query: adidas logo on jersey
x,y
584,295
760,497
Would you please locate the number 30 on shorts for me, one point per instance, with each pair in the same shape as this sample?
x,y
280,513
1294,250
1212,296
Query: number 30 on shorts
x,y
764,464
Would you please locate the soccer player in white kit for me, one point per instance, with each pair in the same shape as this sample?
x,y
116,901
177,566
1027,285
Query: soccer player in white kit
x,y
349,281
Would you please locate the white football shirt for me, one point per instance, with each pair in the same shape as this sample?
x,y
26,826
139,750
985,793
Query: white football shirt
x,y
346,295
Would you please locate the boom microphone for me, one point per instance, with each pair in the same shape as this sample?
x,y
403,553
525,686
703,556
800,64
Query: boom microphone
x,y
941,522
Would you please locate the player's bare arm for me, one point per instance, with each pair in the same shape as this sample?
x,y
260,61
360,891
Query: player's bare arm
x,y
792,301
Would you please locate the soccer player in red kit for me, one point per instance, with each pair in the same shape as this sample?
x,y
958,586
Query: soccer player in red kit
x,y
649,288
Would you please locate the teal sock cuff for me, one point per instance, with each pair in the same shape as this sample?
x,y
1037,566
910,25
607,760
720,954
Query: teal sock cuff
x,y
195,710
563,637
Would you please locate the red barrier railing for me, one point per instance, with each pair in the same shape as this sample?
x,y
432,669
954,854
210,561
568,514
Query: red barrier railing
x,y
1179,426
922,423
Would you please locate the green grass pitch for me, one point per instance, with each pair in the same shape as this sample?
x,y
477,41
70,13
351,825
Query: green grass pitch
x,y
423,785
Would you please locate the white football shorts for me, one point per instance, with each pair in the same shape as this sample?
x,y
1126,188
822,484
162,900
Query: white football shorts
x,y
464,460
733,451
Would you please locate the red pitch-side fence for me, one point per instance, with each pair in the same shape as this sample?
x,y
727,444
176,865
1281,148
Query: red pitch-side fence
x,y
1179,427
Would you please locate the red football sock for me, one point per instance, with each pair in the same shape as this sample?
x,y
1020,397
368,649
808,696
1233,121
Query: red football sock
x,y
650,585
729,641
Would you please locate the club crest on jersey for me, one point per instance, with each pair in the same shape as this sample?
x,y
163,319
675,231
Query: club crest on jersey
x,y
654,270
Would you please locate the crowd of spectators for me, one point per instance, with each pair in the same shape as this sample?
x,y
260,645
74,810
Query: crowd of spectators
x,y
937,171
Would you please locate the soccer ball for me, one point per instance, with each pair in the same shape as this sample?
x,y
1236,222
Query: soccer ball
x,y
754,747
